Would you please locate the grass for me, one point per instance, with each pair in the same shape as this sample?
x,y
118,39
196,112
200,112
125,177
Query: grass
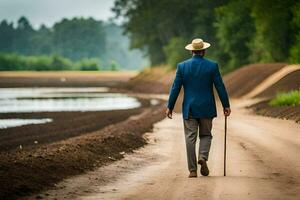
x,y
291,98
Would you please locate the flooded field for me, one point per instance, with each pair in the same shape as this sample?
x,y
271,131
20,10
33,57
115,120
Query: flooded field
x,y
35,100
7,123
14,100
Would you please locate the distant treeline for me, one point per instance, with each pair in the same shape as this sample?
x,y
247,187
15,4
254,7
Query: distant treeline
x,y
240,31
74,39
14,62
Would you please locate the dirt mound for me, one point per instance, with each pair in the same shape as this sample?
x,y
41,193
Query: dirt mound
x,y
64,126
238,83
282,112
244,79
287,83
156,80
63,79
28,171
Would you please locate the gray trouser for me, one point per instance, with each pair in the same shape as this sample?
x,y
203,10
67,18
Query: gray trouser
x,y
191,127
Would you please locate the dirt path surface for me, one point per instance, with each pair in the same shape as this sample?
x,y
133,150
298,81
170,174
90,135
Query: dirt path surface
x,y
263,163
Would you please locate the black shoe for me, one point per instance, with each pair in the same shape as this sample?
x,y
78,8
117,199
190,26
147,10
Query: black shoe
x,y
193,174
204,169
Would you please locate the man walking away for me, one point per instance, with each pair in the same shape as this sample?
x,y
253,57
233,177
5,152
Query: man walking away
x,y
197,75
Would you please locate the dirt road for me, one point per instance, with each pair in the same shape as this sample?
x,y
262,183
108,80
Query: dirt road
x,y
263,163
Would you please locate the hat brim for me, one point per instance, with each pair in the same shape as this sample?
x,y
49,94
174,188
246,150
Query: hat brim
x,y
191,48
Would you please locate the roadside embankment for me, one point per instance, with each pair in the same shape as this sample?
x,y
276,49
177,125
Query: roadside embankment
x,y
244,79
156,80
238,83
265,81
27,171
283,112
86,147
64,79
64,125
37,156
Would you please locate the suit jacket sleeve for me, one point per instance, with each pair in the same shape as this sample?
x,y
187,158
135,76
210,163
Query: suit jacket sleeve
x,y
219,85
176,87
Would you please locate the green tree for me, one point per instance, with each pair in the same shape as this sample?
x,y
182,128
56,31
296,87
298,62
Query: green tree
x,y
273,31
22,40
151,26
294,56
234,31
114,66
89,64
6,36
204,28
175,51
42,41
60,63
79,38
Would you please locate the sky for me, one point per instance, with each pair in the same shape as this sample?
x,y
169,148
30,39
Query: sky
x,y
50,11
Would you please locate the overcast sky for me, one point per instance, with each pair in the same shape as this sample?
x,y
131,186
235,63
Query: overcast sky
x,y
50,11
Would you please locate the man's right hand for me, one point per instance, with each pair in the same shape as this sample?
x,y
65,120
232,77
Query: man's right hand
x,y
169,113
227,111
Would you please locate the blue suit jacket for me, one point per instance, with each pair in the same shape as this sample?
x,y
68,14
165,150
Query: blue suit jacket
x,y
197,76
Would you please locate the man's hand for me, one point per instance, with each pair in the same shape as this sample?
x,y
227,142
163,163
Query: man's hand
x,y
227,111
169,113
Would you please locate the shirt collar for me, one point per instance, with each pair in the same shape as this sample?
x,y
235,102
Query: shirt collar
x,y
197,56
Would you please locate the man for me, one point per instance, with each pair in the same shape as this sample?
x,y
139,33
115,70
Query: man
x,y
197,76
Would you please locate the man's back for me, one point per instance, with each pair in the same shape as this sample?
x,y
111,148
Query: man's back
x,y
198,75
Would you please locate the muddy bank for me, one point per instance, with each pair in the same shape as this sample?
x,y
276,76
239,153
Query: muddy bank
x,y
244,79
159,79
156,80
286,84
282,112
63,79
63,126
24,172
74,142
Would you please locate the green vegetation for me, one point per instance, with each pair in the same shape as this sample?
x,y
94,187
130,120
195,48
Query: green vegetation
x,y
291,98
174,51
12,62
240,31
78,40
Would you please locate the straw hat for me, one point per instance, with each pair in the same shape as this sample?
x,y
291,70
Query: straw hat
x,y
197,44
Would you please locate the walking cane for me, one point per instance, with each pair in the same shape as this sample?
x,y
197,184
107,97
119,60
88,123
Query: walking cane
x,y
225,129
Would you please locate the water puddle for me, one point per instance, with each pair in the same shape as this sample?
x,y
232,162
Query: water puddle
x,y
24,100
8,123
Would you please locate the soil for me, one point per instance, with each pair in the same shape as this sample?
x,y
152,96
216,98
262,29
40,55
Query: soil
x,y
262,163
287,83
26,171
244,79
159,80
75,142
156,80
63,79
81,147
63,126
238,83
283,112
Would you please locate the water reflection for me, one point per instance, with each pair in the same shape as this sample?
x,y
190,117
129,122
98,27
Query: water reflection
x,y
16,100
6,93
8,123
